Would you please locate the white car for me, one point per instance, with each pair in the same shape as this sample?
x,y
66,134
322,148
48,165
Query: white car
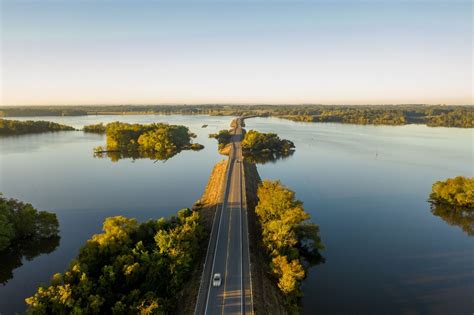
x,y
216,280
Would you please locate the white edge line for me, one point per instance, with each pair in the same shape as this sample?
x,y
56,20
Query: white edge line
x,y
218,231
248,245
250,266
242,289
205,262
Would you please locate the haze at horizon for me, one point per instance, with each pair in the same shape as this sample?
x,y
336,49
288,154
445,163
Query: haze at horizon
x,y
83,52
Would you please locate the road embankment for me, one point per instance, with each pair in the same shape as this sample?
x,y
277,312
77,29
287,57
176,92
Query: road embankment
x,y
225,150
266,295
206,205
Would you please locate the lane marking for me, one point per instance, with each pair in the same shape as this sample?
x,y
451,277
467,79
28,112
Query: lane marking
x,y
226,193
205,261
242,289
248,249
218,233
227,253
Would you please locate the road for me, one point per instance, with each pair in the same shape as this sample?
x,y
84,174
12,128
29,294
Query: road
x,y
228,250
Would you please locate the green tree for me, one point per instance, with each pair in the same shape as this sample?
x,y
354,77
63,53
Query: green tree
x,y
20,221
287,236
255,141
130,268
7,232
16,127
157,141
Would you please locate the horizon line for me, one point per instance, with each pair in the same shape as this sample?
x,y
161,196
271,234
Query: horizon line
x,y
233,104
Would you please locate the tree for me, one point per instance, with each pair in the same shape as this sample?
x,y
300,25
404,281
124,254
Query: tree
x,y
130,268
290,273
157,141
7,232
255,141
286,235
458,191
21,222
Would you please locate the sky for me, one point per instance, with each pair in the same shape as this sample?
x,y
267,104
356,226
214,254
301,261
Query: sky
x,y
71,52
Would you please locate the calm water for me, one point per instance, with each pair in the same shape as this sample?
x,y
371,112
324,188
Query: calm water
x,y
365,186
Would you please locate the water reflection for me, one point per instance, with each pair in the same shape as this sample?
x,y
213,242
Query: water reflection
x,y
267,157
12,258
456,216
115,156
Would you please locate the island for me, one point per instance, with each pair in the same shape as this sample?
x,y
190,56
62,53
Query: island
x,y
130,268
16,127
453,201
258,147
157,141
457,192
21,222
259,142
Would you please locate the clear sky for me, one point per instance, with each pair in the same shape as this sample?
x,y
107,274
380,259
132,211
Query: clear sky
x,y
154,52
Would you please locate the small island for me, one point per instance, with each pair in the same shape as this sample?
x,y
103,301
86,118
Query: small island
x,y
258,147
16,127
158,141
259,142
457,192
130,268
453,201
21,222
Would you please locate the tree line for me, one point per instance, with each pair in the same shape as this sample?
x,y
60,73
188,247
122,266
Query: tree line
x,y
15,127
97,128
439,117
22,222
432,115
291,241
130,268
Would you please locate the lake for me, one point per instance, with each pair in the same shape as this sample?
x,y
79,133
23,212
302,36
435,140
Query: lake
x,y
366,187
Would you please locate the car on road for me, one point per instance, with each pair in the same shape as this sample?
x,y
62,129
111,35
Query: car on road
x,y
216,280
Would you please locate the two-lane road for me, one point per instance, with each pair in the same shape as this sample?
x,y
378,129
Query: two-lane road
x,y
228,252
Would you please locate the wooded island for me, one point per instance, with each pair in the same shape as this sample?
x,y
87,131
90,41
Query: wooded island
x,y
16,127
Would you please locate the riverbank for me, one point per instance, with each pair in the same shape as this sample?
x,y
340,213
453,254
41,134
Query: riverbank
x,y
266,296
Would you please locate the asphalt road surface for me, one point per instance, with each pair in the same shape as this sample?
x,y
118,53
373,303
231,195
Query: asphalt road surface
x,y
228,251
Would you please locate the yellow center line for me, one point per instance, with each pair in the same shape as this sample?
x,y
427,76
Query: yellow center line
x,y
228,237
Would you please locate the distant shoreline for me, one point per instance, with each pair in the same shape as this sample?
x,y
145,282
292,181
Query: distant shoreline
x,y
395,115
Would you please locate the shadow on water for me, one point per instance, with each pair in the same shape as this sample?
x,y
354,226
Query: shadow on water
x,y
456,216
12,258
